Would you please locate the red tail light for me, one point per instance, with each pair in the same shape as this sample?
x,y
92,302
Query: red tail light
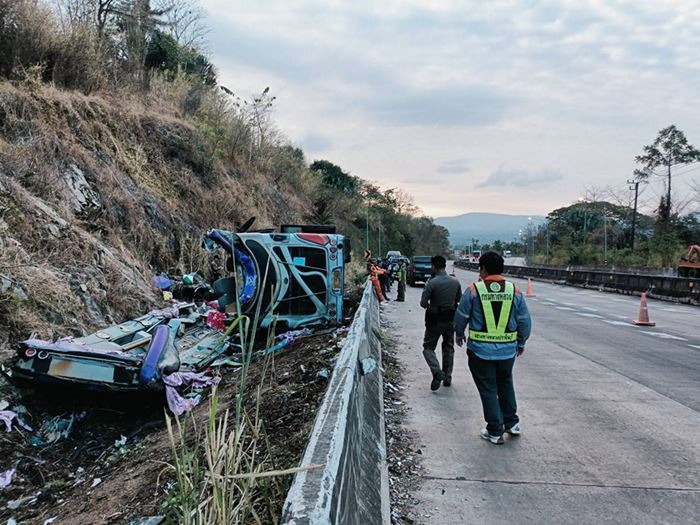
x,y
315,238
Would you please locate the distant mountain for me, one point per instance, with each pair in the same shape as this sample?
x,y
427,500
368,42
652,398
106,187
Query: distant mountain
x,y
487,227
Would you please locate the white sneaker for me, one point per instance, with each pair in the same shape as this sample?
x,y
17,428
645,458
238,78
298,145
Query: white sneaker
x,y
515,430
496,440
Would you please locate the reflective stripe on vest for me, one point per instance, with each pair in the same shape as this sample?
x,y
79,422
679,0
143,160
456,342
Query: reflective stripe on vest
x,y
495,332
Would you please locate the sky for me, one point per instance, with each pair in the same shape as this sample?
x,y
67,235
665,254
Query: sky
x,y
471,106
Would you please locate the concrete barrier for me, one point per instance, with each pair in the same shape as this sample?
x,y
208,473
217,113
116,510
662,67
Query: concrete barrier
x,y
352,487
678,289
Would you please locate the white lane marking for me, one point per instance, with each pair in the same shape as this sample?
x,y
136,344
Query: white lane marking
x,y
549,303
586,314
590,309
618,323
568,304
671,310
663,335
564,308
695,346
618,300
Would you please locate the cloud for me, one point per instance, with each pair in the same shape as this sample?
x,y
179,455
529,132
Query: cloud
x,y
517,177
441,106
315,142
458,167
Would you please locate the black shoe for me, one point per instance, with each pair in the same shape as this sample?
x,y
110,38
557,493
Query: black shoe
x,y
447,381
435,383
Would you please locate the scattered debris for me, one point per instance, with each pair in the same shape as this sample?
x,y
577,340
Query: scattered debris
x,y
56,429
8,416
148,520
95,482
176,402
120,442
6,478
403,456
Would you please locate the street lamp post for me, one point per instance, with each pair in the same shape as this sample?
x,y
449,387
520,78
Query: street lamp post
x,y
605,238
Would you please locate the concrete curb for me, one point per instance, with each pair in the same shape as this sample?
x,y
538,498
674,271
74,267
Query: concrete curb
x,y
352,487
677,289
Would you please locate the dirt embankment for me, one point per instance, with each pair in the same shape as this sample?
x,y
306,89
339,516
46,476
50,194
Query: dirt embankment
x,y
99,192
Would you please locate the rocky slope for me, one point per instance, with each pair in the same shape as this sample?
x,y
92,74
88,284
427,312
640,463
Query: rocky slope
x,y
98,193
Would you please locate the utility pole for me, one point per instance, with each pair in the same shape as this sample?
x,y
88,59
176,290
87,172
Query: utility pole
x,y
634,184
367,229
605,238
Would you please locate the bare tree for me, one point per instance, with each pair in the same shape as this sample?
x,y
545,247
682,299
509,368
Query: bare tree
x,y
184,21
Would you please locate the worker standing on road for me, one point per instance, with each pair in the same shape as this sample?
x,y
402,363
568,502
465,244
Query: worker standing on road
x,y
440,298
401,278
499,324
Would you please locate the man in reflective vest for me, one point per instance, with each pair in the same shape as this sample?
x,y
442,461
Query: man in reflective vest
x,y
499,324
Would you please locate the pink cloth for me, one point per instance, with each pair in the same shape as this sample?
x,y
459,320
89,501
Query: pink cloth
x,y
176,402
216,320
7,416
6,478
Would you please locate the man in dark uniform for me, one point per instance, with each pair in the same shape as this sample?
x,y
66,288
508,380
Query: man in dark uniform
x,y
440,298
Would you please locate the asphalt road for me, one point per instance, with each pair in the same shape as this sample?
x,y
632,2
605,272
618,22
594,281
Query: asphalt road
x,y
610,415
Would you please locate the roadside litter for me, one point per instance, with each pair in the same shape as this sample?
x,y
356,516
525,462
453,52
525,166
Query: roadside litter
x,y
8,416
56,429
176,402
6,478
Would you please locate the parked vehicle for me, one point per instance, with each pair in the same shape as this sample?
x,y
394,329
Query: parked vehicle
x,y
507,253
293,278
420,269
392,254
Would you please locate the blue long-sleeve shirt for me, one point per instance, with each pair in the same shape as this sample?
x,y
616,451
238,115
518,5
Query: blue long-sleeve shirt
x,y
470,313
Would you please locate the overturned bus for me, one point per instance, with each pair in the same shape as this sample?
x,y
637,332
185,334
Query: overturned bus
x,y
292,278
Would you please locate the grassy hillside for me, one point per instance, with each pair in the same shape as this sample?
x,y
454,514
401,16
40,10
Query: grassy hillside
x,y
99,192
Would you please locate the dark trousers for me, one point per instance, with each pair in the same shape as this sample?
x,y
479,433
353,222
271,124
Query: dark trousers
x,y
386,285
433,332
402,292
494,380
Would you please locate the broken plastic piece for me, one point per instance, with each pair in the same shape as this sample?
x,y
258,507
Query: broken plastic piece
x,y
369,364
6,478
56,429
148,520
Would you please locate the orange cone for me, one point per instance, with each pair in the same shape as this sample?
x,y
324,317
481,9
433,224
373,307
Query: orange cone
x,y
529,292
643,313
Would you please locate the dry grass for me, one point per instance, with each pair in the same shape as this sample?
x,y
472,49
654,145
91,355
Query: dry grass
x,y
159,186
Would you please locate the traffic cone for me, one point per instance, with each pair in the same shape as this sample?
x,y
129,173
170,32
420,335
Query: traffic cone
x,y
529,292
643,313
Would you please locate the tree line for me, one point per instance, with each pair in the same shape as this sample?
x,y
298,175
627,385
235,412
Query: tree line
x,y
604,227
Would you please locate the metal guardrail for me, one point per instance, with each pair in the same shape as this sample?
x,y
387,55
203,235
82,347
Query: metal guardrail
x,y
352,487
678,289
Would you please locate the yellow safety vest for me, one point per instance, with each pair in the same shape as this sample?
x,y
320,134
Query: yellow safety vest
x,y
495,332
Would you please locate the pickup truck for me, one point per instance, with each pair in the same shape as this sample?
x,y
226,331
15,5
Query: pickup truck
x,y
420,269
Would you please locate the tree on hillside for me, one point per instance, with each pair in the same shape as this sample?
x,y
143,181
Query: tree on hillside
x,y
669,149
335,177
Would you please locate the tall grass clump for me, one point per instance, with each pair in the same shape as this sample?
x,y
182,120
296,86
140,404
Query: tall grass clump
x,y
223,468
